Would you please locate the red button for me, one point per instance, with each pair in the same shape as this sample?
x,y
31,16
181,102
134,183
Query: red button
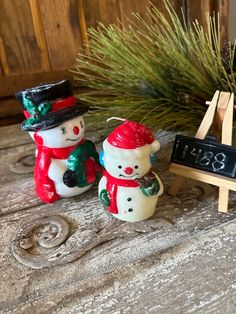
x,y
76,130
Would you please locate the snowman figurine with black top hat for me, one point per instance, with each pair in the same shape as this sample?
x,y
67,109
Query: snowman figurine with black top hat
x,y
66,164
129,189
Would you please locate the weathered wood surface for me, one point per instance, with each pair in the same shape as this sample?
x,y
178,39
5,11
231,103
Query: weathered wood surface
x,y
180,261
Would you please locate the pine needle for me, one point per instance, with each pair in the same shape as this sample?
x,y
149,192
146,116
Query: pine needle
x,y
158,72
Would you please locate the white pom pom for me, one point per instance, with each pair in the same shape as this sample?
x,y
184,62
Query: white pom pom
x,y
155,146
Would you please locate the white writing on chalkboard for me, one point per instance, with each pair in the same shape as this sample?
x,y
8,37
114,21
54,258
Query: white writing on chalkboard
x,y
206,158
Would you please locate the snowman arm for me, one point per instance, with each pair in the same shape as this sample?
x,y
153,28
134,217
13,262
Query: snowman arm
x,y
154,188
161,190
83,152
104,197
103,193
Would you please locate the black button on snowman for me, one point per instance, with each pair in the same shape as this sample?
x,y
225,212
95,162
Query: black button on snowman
x,y
128,188
66,164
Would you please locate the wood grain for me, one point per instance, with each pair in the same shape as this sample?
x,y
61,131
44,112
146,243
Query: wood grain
x,y
19,48
221,7
62,31
128,8
198,10
103,11
9,106
39,34
177,5
83,26
11,156
10,120
11,136
9,85
225,112
163,282
163,237
3,57
208,117
182,258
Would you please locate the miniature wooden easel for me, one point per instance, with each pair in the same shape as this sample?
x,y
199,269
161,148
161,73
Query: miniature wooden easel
x,y
221,107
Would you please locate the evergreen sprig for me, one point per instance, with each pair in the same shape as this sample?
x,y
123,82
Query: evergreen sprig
x,y
158,71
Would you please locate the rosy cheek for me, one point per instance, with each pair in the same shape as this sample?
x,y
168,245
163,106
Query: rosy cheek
x,y
76,130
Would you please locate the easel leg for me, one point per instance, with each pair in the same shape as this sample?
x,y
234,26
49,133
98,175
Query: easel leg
x,y
178,181
225,120
223,200
201,133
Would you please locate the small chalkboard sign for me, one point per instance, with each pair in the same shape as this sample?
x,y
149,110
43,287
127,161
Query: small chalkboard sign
x,y
201,159
205,155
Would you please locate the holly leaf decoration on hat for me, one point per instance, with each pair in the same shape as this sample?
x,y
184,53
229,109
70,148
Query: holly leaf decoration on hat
x,y
35,111
44,108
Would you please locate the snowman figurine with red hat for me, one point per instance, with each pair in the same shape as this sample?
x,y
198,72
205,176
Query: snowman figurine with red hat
x,y
129,190
66,164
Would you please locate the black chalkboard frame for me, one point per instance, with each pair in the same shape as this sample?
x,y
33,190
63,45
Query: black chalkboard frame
x,y
205,155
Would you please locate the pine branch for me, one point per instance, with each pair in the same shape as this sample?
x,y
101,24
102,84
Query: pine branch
x,y
156,72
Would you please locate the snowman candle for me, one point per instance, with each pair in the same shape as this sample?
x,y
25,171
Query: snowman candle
x,y
129,190
66,164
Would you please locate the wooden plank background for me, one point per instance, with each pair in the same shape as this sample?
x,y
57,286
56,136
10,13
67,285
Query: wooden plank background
x,y
40,39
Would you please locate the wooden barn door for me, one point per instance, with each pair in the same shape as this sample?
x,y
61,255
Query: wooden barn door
x,y
40,39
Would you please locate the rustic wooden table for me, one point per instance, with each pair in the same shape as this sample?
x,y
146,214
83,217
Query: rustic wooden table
x,y
72,257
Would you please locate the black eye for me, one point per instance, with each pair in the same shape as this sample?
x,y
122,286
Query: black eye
x,y
119,166
81,124
136,167
63,129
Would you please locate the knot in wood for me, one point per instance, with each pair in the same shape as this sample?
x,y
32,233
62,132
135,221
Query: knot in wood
x,y
23,164
35,240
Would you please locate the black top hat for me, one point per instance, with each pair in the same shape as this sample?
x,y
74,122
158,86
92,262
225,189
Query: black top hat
x,y
48,105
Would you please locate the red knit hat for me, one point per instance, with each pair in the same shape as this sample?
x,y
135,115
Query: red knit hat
x,y
131,139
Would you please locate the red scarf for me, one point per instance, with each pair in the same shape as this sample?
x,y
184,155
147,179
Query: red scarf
x,y
112,185
45,187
